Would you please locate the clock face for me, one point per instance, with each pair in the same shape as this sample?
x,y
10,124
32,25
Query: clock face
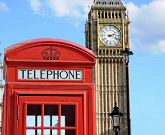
x,y
110,35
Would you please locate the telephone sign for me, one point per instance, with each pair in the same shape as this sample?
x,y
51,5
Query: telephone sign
x,y
45,74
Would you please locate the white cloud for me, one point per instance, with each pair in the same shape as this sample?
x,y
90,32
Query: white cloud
x,y
36,6
148,23
69,8
3,7
160,48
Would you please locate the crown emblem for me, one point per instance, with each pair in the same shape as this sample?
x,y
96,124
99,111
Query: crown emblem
x,y
51,54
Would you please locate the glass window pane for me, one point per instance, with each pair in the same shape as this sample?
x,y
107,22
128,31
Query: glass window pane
x,y
54,132
62,132
50,115
50,132
68,132
33,118
116,120
54,121
62,121
68,115
33,132
47,132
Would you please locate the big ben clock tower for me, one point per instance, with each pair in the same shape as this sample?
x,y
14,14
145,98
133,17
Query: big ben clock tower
x,y
107,34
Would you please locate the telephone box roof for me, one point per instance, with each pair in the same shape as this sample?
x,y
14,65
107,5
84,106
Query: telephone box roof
x,y
36,49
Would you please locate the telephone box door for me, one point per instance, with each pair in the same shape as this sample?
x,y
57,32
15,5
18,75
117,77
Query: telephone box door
x,y
50,115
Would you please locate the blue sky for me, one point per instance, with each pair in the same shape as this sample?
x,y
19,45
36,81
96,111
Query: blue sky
x,y
65,19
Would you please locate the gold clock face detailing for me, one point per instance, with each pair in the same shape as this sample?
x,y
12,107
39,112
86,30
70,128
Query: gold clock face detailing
x,y
110,35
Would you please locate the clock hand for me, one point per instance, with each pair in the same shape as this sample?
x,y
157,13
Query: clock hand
x,y
114,36
110,35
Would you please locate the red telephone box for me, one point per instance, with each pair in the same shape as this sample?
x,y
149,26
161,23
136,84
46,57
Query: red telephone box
x,y
49,89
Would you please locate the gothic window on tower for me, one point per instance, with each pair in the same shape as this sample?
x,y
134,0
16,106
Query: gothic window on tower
x,y
109,14
105,14
111,3
107,52
117,3
98,14
116,15
119,15
112,15
102,15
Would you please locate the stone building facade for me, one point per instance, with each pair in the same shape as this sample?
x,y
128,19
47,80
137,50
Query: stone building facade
x,y
107,34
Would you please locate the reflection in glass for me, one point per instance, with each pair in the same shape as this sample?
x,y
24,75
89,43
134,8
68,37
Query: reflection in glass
x,y
33,118
55,121
68,116
50,115
33,132
50,132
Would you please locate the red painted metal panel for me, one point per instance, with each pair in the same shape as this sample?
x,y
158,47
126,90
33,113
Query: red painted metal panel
x,y
48,54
